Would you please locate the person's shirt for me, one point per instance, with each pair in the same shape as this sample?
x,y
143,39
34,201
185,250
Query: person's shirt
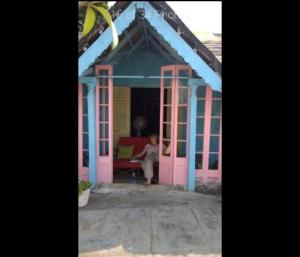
x,y
152,149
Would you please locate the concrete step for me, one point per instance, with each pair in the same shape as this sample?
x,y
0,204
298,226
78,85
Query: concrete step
x,y
127,188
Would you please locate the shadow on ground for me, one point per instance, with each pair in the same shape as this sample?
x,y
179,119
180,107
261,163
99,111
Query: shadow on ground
x,y
146,223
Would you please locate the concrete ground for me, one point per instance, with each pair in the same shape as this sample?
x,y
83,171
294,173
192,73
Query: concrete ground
x,y
129,220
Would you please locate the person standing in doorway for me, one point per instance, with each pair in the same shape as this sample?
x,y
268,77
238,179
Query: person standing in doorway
x,y
152,152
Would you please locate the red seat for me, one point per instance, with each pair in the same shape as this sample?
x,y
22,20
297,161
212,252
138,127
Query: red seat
x,y
139,145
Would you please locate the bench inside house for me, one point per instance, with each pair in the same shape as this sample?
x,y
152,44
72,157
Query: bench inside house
x,y
139,144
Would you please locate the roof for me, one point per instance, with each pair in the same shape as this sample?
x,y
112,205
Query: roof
x,y
213,41
173,29
216,48
202,48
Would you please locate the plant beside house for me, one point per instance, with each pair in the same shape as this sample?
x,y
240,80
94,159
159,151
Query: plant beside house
x,y
84,188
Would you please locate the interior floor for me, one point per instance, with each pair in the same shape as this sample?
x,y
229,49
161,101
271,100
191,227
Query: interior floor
x,y
133,176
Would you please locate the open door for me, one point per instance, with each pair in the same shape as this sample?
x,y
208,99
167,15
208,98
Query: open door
x,y
174,127
104,121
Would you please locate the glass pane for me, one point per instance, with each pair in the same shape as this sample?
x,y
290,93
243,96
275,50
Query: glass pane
x,y
200,107
213,161
84,106
215,126
103,113
182,95
201,92
216,108
84,90
106,147
85,123
182,114
167,114
200,125
183,82
106,113
166,131
181,131
85,141
103,82
167,82
103,95
101,101
214,144
101,151
216,94
101,134
103,131
106,131
181,149
199,160
106,96
166,143
103,148
167,96
199,144
85,158
183,73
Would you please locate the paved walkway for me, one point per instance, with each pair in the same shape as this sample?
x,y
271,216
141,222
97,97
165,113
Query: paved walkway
x,y
138,222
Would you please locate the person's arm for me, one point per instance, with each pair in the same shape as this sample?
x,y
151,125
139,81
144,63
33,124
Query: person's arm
x,y
141,154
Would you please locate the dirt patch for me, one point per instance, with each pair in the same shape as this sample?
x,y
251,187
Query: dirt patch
x,y
209,189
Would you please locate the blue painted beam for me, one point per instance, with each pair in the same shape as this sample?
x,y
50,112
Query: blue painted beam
x,y
181,47
193,83
91,83
161,27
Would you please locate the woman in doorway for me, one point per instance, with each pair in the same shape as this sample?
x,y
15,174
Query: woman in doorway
x,y
152,151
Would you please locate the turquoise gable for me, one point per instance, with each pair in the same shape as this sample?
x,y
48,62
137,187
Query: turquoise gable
x,y
144,63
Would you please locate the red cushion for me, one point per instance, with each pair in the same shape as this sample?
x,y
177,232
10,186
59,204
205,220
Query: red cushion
x,y
139,145
126,164
138,142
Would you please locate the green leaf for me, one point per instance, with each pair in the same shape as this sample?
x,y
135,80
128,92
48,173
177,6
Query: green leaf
x,y
89,21
105,13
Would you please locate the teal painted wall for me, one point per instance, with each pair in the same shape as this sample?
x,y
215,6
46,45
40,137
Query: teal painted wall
x,y
143,63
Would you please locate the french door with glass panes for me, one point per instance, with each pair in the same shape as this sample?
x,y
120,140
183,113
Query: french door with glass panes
x,y
104,127
83,134
209,134
174,127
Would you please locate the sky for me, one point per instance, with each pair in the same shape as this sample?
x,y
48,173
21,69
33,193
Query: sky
x,y
199,16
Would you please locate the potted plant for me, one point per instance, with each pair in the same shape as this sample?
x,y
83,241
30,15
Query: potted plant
x,y
84,188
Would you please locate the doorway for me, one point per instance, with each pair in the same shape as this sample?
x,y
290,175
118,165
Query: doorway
x,y
172,101
145,103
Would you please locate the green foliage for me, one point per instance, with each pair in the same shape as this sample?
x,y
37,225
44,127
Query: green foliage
x,y
93,11
83,185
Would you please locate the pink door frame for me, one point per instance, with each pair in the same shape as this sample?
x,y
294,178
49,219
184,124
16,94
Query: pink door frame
x,y
166,162
83,172
205,174
181,163
104,163
173,169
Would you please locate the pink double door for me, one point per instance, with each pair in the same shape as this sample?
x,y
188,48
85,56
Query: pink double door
x,y
104,123
174,126
103,126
